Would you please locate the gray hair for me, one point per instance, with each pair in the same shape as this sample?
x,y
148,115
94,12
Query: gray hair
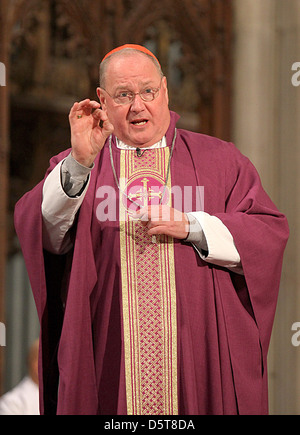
x,y
125,51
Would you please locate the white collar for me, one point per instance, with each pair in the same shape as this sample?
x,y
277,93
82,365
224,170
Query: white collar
x,y
161,144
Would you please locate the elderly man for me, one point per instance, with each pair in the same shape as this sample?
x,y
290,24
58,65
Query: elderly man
x,y
154,256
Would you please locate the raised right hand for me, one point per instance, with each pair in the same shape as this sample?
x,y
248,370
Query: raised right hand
x,y
87,136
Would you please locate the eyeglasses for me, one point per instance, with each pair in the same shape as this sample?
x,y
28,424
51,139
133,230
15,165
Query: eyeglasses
x,y
127,97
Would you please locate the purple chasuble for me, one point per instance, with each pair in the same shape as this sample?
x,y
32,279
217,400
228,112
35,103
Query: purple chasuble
x,y
224,320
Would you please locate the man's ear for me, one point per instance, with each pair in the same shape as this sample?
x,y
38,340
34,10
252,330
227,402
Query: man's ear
x,y
165,87
102,98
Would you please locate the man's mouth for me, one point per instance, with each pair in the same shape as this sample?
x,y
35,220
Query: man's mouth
x,y
139,122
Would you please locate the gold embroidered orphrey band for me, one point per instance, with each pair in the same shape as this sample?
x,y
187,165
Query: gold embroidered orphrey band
x,y
148,292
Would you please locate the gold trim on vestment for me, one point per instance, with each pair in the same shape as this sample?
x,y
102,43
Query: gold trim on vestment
x,y
148,295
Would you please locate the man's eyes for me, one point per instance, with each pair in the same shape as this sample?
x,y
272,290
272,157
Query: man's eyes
x,y
124,94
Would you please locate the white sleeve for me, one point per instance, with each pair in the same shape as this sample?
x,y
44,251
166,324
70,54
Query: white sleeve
x,y
59,212
221,249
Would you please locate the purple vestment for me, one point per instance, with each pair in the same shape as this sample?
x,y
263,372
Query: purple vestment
x,y
224,320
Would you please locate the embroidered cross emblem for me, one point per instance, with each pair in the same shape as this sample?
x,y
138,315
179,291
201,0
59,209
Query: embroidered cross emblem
x,y
145,193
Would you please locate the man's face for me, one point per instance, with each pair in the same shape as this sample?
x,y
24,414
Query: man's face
x,y
140,123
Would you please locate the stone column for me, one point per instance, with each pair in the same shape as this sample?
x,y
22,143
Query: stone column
x,y
266,126
254,77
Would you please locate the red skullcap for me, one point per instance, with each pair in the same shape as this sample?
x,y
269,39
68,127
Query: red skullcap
x,y
134,46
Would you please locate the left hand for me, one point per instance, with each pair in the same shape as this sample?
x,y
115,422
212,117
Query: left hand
x,y
162,219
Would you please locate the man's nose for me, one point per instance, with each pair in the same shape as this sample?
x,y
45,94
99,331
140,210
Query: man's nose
x,y
137,104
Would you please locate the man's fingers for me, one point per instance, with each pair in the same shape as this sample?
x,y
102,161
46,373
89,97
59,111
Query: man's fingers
x,y
142,215
164,220
155,231
97,113
150,213
84,107
89,108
